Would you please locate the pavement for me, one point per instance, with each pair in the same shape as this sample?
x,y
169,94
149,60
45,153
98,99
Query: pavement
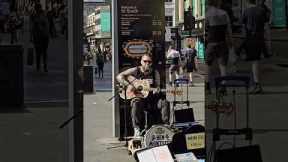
x,y
32,134
41,87
104,84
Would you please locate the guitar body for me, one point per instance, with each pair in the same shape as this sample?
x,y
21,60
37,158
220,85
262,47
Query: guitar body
x,y
137,89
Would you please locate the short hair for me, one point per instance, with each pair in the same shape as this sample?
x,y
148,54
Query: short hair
x,y
147,55
252,1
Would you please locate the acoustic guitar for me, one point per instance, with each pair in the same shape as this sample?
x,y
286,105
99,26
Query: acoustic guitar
x,y
141,89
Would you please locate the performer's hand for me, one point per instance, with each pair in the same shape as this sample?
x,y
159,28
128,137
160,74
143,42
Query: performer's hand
x,y
157,90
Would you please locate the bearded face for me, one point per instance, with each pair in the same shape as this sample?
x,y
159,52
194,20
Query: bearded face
x,y
146,63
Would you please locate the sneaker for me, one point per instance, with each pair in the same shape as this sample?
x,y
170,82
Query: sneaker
x,y
257,89
137,132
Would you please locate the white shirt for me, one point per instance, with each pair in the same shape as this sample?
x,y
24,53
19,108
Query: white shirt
x,y
173,54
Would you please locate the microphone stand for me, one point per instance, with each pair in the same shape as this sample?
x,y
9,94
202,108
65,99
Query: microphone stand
x,y
125,111
65,123
71,118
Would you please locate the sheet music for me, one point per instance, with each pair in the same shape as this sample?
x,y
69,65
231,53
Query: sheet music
x,y
156,154
162,154
146,156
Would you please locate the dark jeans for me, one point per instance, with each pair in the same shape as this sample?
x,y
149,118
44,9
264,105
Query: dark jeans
x,y
138,108
41,51
137,113
100,69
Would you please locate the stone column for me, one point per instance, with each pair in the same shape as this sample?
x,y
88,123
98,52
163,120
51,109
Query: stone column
x,y
181,11
176,13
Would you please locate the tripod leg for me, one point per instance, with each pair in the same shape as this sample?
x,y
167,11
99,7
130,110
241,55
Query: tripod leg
x,y
146,119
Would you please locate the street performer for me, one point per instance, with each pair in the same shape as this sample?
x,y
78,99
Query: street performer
x,y
139,104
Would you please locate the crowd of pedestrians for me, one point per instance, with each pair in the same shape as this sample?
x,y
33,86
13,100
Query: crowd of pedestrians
x,y
255,45
101,54
33,27
182,63
220,46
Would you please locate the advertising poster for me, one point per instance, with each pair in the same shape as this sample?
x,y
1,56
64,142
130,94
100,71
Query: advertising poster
x,y
141,26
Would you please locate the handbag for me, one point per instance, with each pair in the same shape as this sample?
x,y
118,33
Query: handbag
x,y
30,56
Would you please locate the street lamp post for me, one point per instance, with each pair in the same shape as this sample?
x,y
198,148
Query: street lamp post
x,y
189,21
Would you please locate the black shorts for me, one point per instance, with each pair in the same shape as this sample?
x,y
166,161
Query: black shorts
x,y
216,51
190,67
254,48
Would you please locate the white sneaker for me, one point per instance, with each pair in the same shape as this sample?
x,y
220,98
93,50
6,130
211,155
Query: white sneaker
x,y
137,132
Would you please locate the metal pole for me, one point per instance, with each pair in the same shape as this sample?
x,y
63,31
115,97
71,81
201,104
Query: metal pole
x,y
115,69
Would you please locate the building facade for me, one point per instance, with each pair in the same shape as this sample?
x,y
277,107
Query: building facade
x,y
97,26
279,11
174,16
102,22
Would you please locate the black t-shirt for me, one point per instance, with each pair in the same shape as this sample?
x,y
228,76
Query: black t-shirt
x,y
254,19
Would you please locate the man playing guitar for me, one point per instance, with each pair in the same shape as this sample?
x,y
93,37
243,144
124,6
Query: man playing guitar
x,y
139,103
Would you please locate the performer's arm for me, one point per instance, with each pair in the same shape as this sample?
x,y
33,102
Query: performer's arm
x,y
123,78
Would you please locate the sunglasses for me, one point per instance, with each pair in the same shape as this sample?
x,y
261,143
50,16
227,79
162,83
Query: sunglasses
x,y
147,61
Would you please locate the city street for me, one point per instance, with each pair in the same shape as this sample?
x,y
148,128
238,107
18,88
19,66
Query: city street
x,y
33,134
267,111
51,87
100,145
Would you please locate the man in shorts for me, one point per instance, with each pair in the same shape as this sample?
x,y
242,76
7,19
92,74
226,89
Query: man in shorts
x,y
175,58
254,19
219,39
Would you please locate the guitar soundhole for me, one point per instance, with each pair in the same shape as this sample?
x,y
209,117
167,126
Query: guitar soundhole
x,y
140,88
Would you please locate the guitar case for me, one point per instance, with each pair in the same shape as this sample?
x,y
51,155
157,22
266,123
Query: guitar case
x,y
191,139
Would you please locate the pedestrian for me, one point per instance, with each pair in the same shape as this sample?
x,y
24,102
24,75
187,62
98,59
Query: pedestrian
x,y
267,50
51,14
254,19
190,54
218,41
100,63
12,26
40,34
63,19
107,54
175,58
